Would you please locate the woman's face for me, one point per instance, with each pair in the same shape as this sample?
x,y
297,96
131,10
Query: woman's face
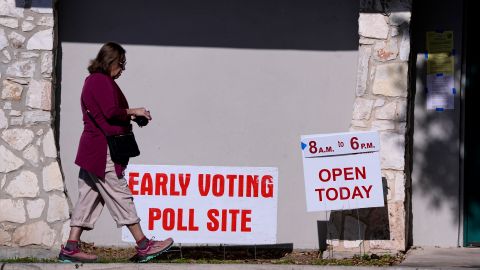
x,y
118,67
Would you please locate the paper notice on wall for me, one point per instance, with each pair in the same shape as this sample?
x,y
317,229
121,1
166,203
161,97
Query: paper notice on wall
x,y
440,71
440,92
439,41
440,63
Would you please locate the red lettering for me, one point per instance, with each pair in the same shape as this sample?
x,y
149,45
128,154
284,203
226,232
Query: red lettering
x,y
234,213
168,220
172,219
336,172
153,214
132,182
234,216
246,218
319,190
180,226
357,193
322,177
231,184
161,180
367,190
267,186
173,192
240,186
218,185
224,220
362,173
146,185
252,184
335,194
344,193
203,186
348,171
184,181
213,224
191,221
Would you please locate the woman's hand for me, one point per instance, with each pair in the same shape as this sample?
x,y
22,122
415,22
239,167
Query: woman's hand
x,y
139,112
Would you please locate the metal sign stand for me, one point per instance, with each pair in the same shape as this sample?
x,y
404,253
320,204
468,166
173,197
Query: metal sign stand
x,y
225,252
181,253
362,243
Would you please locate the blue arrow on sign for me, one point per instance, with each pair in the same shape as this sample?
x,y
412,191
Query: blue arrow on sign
x,y
303,145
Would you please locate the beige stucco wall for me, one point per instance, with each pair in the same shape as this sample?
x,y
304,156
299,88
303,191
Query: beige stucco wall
x,y
222,107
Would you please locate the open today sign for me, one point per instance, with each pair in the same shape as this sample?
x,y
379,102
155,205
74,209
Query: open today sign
x,y
342,171
200,204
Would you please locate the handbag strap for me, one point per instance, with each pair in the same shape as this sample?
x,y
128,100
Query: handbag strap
x,y
92,118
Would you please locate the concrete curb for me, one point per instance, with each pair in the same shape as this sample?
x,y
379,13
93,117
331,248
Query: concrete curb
x,y
163,266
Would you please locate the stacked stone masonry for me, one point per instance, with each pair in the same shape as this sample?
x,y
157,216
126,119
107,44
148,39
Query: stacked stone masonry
x,y
34,208
380,104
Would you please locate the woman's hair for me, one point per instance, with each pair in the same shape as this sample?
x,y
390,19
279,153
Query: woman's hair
x,y
108,54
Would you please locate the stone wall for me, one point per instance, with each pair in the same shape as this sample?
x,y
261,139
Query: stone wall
x,y
34,209
381,104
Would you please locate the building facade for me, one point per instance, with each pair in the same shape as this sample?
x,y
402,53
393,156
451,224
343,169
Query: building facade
x,y
236,84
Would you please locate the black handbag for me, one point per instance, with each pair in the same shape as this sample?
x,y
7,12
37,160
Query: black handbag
x,y
121,146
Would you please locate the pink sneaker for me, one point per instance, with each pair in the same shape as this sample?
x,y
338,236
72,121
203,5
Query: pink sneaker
x,y
168,241
75,256
153,249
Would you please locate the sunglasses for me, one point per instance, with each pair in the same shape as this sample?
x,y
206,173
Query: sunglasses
x,y
122,64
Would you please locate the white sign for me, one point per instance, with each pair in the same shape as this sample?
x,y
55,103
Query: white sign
x,y
440,92
346,181
207,205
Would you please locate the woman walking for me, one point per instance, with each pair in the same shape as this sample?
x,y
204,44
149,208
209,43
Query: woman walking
x,y
101,180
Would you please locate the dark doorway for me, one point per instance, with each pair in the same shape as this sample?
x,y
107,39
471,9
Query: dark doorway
x,y
472,140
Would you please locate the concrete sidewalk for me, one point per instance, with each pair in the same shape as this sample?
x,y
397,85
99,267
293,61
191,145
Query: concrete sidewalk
x,y
416,258
442,257
152,266
199,267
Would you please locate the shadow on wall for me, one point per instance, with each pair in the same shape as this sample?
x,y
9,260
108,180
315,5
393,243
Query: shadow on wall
x,y
437,146
266,24
34,3
384,7
436,153
361,224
